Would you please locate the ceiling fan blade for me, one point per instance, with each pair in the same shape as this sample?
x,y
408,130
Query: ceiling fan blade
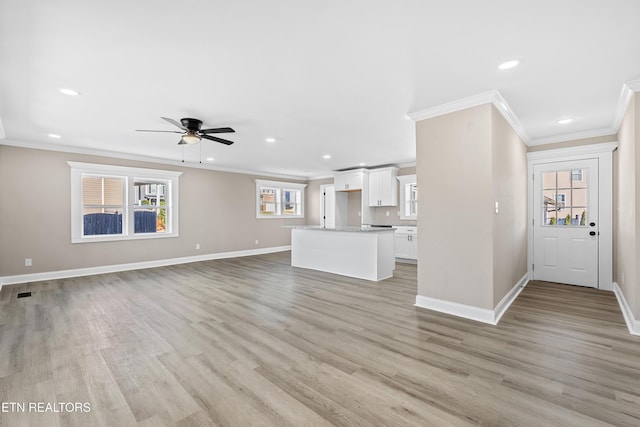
x,y
213,138
217,130
173,122
165,131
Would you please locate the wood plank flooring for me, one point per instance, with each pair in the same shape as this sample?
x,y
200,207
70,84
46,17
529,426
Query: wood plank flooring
x,y
254,342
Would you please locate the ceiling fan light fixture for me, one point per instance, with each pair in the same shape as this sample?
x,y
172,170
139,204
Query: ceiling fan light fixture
x,y
191,138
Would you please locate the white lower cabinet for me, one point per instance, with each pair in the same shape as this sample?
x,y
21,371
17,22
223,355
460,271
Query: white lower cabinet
x,y
406,242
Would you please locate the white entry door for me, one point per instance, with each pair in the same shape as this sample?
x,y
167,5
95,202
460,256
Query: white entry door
x,y
327,206
565,223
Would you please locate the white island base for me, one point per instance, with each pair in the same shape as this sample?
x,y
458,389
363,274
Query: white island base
x,y
349,251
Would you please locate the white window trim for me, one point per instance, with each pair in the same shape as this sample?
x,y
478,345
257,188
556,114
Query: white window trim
x,y
131,174
281,185
404,180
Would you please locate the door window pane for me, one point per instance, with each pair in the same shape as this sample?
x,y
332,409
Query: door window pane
x,y
564,198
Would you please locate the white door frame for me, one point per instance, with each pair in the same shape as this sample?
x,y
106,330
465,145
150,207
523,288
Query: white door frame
x,y
323,189
604,154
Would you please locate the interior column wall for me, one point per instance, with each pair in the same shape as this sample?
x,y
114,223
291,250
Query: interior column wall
x,y
510,192
454,173
626,163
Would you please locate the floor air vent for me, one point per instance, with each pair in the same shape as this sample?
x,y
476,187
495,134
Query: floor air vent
x,y
24,294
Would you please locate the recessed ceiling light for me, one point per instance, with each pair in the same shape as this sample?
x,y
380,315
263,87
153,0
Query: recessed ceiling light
x,y
326,156
209,159
270,140
69,92
508,64
55,136
363,164
565,121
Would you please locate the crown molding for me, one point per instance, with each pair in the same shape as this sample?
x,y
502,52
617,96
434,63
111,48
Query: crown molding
x,y
494,97
502,106
573,136
140,158
634,85
453,106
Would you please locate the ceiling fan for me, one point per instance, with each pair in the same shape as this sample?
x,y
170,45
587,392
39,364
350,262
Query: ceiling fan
x,y
191,132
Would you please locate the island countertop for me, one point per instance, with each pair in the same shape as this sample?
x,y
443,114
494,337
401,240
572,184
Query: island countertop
x,y
350,229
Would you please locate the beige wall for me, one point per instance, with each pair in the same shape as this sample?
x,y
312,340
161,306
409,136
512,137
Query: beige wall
x,y
455,205
217,210
626,161
572,143
510,190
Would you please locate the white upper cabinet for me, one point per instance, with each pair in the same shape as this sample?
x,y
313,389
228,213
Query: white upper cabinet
x,y
383,187
349,180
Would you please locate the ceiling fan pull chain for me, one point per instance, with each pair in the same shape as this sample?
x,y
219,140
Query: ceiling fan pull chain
x,y
200,153
183,154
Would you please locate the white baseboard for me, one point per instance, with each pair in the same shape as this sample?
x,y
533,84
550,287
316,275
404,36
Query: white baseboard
x,y
474,313
63,274
510,297
461,310
629,318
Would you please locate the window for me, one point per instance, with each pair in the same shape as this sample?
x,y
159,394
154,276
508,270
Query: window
x,y
276,199
122,203
408,197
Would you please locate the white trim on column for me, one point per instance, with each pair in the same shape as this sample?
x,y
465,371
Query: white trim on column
x,y
461,310
493,96
632,324
510,297
77,272
604,153
478,314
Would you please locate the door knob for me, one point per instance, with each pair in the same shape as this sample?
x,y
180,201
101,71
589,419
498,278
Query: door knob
x,y
592,233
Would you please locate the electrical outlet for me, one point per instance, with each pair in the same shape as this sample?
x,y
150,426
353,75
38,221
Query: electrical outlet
x,y
387,213
197,245
257,242
28,262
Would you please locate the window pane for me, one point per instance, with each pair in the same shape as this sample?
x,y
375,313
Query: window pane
x,y
268,201
151,220
580,183
101,221
97,190
102,205
579,197
549,180
564,179
292,202
150,193
150,213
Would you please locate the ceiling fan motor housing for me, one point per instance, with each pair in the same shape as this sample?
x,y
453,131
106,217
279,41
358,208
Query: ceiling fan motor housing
x,y
191,124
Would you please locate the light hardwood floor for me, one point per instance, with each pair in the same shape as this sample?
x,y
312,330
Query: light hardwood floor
x,y
252,341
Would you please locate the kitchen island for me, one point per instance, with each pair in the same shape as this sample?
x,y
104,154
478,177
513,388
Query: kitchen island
x,y
362,252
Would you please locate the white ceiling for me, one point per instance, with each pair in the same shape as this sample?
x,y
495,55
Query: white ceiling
x,y
324,77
